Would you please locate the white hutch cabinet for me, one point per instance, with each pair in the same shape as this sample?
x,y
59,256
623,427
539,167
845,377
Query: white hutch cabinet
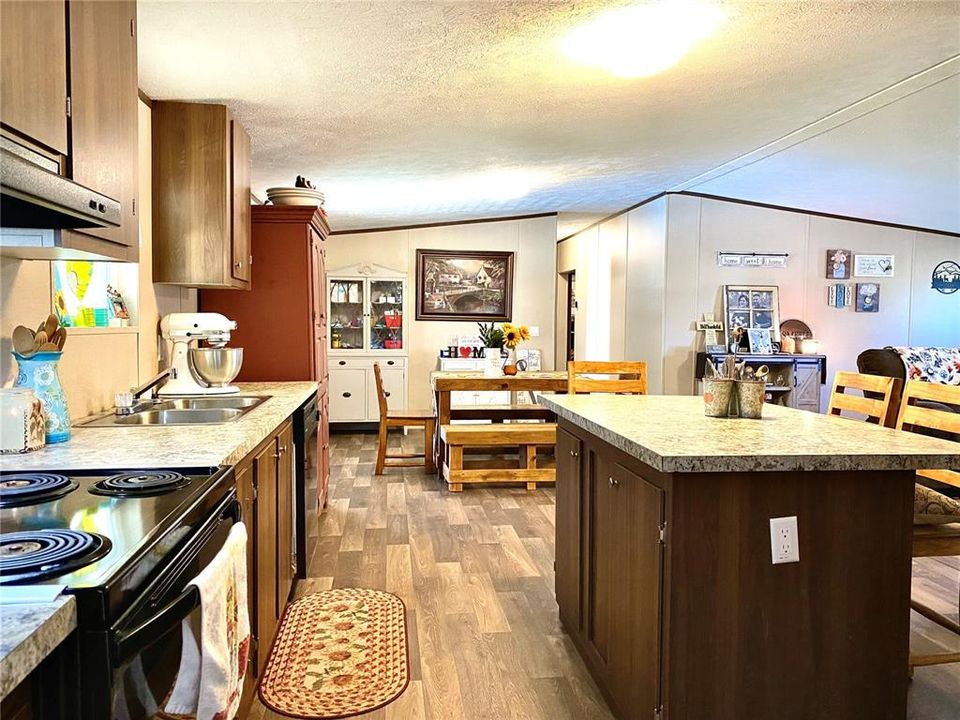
x,y
367,311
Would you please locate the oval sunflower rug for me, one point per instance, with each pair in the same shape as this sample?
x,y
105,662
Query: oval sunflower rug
x,y
337,653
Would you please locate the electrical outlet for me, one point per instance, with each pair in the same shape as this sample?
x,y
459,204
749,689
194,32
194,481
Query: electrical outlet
x,y
534,330
784,540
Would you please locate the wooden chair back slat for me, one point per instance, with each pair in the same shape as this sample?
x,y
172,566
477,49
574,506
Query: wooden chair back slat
x,y
381,395
880,411
631,377
913,416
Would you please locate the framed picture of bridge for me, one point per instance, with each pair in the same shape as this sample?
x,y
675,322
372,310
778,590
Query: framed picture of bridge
x,y
464,285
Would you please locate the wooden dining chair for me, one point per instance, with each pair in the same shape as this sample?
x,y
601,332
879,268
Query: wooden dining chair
x,y
402,419
879,401
930,408
630,377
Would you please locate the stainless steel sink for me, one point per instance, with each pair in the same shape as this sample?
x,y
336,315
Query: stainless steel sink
x,y
210,403
179,417
182,411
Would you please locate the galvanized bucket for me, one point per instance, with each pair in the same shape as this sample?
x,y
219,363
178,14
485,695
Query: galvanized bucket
x,y
717,395
750,394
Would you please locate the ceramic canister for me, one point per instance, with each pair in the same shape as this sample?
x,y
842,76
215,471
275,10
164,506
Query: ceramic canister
x,y
717,393
22,422
39,373
750,394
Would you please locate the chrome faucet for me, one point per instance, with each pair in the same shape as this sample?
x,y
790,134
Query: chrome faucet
x,y
126,402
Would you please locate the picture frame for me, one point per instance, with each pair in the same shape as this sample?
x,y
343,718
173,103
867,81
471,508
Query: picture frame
x,y
458,285
868,297
752,306
760,342
838,264
873,265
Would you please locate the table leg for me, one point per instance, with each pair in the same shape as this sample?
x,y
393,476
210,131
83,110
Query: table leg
x,y
443,418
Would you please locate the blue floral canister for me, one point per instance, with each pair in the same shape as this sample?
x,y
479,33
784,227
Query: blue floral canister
x,y
39,372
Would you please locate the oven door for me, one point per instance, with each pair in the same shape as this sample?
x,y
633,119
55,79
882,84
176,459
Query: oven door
x,y
145,644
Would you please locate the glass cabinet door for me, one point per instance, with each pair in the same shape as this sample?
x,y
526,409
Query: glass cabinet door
x,y
346,314
386,314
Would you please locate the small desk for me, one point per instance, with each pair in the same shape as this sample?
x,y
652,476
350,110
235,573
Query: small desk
x,y
443,383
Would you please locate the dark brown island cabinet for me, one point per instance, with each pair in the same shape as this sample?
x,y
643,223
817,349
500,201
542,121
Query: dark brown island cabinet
x,y
665,577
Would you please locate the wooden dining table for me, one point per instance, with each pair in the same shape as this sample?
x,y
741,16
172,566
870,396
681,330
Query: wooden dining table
x,y
444,383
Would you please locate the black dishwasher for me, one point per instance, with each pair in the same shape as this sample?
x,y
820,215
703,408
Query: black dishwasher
x,y
306,440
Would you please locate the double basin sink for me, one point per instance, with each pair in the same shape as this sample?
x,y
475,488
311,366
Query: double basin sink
x,y
182,411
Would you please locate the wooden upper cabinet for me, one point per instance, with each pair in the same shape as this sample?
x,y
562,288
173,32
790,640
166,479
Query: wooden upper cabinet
x,y
240,169
103,120
200,188
33,72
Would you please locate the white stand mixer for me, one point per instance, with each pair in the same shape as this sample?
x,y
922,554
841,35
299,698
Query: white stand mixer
x,y
184,328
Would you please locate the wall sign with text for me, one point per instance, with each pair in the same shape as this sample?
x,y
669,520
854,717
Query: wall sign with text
x,y
873,265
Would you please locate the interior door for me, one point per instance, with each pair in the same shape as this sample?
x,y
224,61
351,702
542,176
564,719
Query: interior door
x,y
240,187
265,477
103,121
33,65
568,529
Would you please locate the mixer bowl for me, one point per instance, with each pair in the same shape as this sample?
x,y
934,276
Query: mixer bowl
x,y
216,366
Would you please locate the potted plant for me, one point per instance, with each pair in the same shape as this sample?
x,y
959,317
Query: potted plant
x,y
492,338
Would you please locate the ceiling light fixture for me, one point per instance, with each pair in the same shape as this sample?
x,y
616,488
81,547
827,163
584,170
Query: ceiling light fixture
x,y
642,40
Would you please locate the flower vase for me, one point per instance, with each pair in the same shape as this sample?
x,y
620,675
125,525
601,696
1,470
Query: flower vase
x,y
510,366
492,364
39,373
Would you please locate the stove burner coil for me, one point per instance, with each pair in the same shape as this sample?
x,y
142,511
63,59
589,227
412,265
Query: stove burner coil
x,y
140,483
30,488
37,554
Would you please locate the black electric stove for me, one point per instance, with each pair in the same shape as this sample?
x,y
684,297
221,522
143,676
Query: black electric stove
x,y
125,544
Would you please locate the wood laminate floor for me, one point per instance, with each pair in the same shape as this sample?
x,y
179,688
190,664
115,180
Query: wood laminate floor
x,y
475,570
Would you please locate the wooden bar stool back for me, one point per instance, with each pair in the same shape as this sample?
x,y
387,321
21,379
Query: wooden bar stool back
x,y
933,536
402,419
630,377
881,409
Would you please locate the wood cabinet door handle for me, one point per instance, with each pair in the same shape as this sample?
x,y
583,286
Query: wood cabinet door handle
x,y
238,264
614,482
573,453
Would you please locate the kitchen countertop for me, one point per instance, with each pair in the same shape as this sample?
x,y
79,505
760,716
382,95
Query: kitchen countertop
x,y
120,448
30,632
671,434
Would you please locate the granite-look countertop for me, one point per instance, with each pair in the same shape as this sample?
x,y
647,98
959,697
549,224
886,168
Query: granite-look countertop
x,y
116,447
671,434
30,632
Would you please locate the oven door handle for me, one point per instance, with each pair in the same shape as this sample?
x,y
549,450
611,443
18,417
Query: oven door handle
x,y
130,642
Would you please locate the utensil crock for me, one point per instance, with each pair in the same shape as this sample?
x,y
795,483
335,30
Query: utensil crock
x,y
39,373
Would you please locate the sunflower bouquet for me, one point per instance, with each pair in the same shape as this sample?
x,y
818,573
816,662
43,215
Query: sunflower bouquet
x,y
513,335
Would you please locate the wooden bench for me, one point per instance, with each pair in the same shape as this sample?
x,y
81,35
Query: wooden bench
x,y
499,413
526,436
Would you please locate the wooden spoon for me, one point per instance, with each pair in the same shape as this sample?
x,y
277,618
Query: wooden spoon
x,y
60,337
49,347
51,324
39,339
22,340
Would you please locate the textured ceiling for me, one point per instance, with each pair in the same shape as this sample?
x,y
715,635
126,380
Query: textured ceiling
x,y
407,112
899,163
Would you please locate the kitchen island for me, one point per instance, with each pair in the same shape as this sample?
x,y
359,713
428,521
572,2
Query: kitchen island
x,y
664,571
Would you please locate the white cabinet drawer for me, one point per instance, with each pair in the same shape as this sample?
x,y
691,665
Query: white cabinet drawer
x,y
460,365
348,394
366,362
393,383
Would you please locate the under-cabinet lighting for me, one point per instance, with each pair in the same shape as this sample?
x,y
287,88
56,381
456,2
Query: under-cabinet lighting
x,y
642,40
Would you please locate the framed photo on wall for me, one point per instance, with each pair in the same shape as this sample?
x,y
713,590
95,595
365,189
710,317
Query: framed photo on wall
x,y
464,285
752,306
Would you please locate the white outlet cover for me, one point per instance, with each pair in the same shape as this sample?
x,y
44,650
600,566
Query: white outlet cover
x,y
784,540
534,331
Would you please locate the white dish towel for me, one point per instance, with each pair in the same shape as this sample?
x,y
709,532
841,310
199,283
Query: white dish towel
x,y
210,681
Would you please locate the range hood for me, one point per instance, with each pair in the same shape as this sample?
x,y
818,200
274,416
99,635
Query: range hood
x,y
36,197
